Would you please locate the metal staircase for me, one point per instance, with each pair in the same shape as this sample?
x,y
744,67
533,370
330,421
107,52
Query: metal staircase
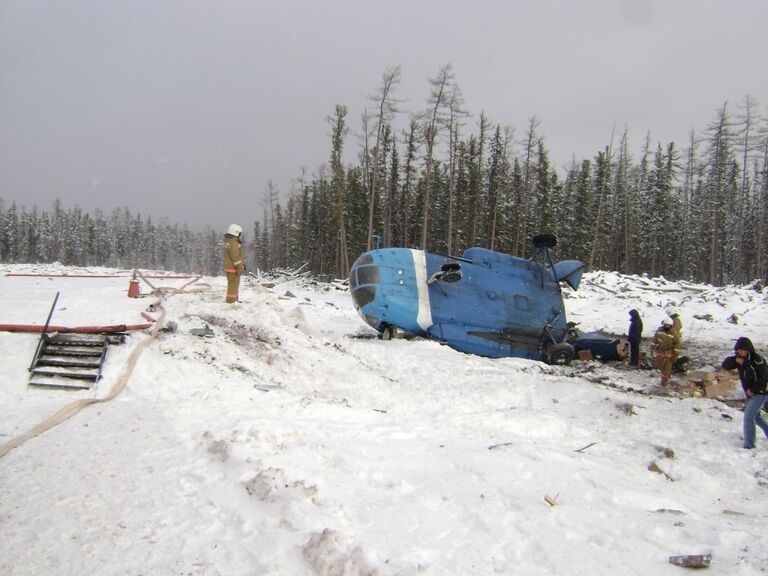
x,y
68,359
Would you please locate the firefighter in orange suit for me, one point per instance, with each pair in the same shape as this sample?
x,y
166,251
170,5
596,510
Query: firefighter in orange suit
x,y
233,261
677,330
663,349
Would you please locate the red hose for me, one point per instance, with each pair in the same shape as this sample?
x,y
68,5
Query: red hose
x,y
94,276
88,329
31,275
76,329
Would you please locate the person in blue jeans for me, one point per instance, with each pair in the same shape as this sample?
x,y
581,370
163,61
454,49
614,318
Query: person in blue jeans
x,y
753,373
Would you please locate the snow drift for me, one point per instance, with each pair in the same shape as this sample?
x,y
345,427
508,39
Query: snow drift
x,y
294,442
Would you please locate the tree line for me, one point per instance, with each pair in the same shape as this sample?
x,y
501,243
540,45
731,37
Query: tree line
x,y
694,212
120,240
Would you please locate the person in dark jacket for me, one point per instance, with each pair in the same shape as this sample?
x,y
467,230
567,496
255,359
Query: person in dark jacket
x,y
635,334
753,373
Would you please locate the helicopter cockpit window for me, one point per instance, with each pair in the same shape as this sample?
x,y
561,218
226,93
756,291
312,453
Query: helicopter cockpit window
x,y
368,275
364,259
363,296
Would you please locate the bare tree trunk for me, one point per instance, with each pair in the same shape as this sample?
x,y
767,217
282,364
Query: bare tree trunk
x,y
430,139
337,178
392,194
405,203
718,181
518,247
627,206
600,194
453,131
386,109
761,212
746,200
688,187
496,180
271,197
440,86
457,113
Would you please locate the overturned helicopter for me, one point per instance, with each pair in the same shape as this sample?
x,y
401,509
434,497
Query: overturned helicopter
x,y
484,302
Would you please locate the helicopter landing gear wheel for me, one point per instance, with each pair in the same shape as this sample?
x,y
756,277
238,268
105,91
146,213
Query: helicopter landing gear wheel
x,y
560,354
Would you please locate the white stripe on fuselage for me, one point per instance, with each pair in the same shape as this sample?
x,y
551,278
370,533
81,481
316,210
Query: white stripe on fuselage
x,y
424,314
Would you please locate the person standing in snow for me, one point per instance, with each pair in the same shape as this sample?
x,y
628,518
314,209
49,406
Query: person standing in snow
x,y
634,335
753,373
677,330
663,349
233,261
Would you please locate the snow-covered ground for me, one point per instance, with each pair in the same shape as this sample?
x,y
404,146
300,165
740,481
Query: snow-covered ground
x,y
293,443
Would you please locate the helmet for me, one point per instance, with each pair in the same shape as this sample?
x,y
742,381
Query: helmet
x,y
234,230
667,322
672,311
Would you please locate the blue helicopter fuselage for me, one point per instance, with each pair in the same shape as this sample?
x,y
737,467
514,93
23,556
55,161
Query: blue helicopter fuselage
x,y
486,302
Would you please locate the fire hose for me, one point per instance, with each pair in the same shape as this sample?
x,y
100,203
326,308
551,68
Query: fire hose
x,y
73,408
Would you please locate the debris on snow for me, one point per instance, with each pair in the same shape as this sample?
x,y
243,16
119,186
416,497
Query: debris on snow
x,y
627,408
551,501
691,560
654,467
218,448
327,557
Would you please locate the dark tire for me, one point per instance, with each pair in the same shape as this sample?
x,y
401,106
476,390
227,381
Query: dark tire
x,y
387,333
560,354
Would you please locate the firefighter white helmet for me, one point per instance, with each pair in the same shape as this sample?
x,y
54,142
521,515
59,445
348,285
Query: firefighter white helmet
x,y
234,230
667,322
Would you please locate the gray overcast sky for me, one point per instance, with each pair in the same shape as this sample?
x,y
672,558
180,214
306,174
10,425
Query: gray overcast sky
x,y
186,108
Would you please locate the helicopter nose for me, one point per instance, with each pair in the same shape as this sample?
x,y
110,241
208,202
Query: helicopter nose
x,y
364,284
389,289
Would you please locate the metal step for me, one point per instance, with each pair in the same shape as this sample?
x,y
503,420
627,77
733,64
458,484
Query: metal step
x,y
62,350
64,371
60,382
76,339
78,361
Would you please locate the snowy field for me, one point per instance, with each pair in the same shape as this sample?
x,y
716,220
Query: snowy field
x,y
293,443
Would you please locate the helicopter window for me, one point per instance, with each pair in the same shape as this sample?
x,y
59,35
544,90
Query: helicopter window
x,y
364,259
368,275
363,296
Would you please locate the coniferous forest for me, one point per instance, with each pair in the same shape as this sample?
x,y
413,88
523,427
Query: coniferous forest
x,y
693,210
